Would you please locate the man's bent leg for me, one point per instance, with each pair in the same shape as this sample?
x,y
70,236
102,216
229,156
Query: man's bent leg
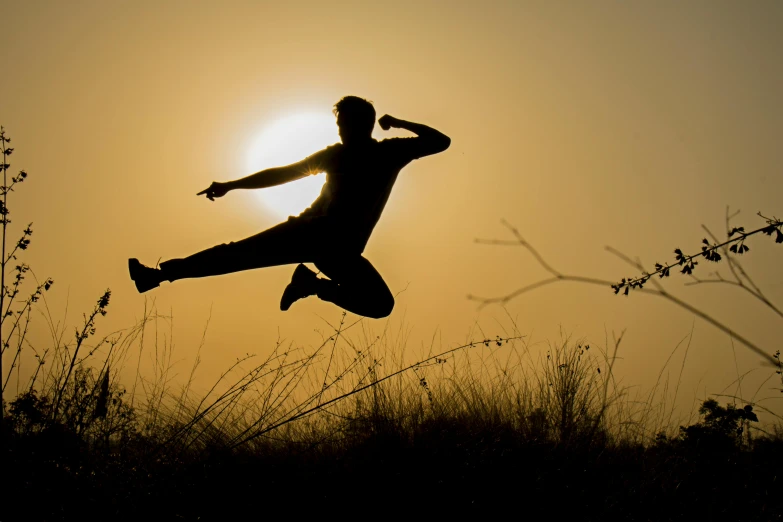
x,y
290,242
355,285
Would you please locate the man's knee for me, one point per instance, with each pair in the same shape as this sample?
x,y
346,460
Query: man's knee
x,y
382,307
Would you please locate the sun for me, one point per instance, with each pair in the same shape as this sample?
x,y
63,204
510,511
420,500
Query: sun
x,y
285,141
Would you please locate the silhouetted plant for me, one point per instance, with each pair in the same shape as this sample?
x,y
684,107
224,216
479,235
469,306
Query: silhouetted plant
x,y
72,396
720,428
265,424
89,409
14,314
735,245
87,330
571,392
709,251
29,413
716,252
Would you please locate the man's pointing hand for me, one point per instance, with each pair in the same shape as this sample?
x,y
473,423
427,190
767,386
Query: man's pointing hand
x,y
215,190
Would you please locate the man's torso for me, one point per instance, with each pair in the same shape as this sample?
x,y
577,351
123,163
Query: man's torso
x,y
359,180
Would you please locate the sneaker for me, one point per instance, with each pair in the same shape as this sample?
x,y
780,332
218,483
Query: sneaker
x,y
146,278
302,285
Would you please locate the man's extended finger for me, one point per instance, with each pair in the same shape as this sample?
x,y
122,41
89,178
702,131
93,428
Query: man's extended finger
x,y
202,192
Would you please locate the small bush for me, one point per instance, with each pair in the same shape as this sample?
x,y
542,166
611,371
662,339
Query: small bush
x,y
720,428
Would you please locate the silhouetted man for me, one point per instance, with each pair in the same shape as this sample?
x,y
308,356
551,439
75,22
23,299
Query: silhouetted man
x,y
333,232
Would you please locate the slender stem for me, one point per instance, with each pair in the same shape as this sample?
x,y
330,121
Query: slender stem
x,y
3,260
775,309
684,259
80,338
331,356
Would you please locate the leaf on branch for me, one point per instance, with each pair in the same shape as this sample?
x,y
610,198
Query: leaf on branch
x,y
680,257
779,237
713,256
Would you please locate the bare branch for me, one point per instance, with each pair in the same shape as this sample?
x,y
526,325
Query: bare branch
x,y
658,291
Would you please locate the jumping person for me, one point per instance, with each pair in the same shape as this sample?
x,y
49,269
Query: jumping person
x,y
333,231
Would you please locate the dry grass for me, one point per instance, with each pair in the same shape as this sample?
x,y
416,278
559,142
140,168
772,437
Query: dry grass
x,y
478,425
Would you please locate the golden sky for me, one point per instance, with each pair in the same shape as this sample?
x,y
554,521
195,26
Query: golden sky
x,y
583,124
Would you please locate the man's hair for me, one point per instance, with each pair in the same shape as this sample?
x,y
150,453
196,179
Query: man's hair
x,y
358,111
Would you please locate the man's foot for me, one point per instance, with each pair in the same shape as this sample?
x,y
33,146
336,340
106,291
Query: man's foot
x,y
302,284
146,278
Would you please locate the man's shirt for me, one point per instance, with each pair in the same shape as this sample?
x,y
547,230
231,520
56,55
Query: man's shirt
x,y
359,180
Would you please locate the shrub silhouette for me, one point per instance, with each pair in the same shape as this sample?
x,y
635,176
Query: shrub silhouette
x,y
721,428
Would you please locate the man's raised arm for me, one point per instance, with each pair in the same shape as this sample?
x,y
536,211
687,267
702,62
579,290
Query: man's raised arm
x,y
432,141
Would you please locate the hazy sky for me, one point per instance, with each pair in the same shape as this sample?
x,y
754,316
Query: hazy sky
x,y
583,124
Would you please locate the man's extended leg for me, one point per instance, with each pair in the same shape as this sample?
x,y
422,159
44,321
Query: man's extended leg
x,y
353,284
294,241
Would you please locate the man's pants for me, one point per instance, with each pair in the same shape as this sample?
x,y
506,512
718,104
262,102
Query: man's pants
x,y
353,282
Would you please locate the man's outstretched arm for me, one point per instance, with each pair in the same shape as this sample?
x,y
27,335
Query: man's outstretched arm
x,y
263,179
432,141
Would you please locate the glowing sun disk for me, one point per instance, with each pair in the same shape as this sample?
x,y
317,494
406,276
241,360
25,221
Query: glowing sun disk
x,y
285,141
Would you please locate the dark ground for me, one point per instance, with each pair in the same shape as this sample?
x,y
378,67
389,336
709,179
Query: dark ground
x,y
445,469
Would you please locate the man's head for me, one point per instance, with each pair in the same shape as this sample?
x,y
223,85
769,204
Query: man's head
x,y
355,118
